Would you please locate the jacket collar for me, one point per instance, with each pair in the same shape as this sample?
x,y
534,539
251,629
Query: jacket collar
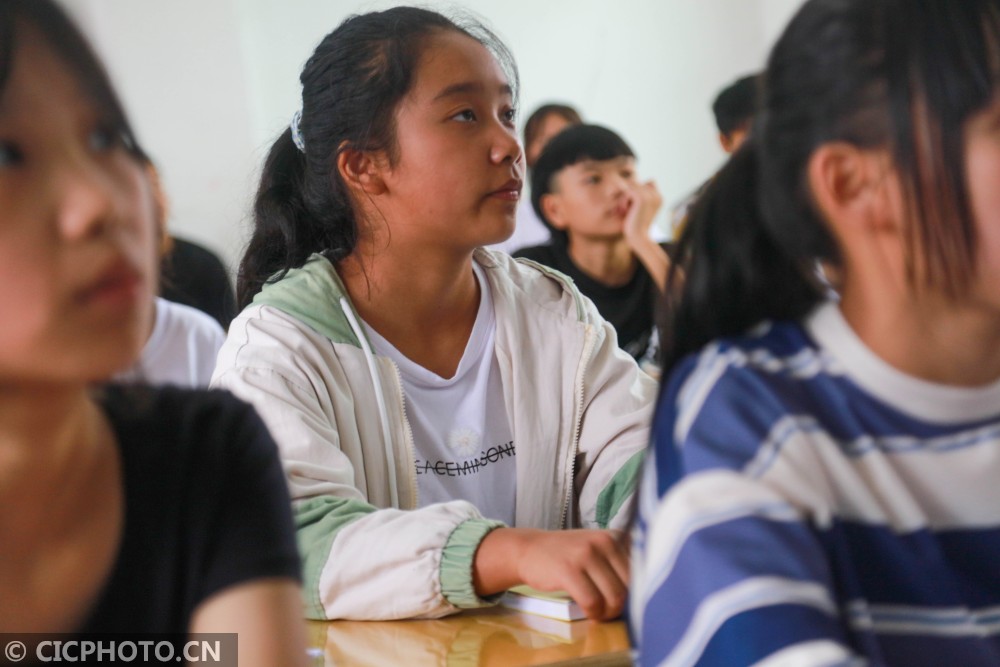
x,y
312,294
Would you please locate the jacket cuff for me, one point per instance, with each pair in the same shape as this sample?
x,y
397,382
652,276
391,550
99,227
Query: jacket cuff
x,y
456,563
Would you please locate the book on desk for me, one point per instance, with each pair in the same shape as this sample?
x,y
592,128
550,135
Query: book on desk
x,y
551,604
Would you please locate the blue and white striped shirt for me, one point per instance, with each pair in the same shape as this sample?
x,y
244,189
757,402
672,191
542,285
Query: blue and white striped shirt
x,y
807,504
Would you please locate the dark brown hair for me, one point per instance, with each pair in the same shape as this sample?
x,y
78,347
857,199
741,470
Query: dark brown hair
x,y
902,75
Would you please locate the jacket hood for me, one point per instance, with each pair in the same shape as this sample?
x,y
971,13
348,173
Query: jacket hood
x,y
312,294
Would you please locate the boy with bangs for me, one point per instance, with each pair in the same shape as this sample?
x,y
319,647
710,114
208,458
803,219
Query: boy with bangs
x,y
584,187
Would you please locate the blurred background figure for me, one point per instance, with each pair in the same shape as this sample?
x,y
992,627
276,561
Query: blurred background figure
x,y
182,341
546,122
734,109
195,276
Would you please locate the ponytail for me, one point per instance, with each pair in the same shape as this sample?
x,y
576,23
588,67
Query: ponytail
x,y
891,75
735,273
288,228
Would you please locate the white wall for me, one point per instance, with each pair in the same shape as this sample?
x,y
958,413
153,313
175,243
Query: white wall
x,y
209,84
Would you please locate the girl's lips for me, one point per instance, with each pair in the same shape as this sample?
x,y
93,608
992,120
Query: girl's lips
x,y
509,191
119,284
510,195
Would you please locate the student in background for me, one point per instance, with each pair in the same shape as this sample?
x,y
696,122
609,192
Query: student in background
x,y
734,109
585,187
443,411
195,276
190,274
181,348
132,510
546,122
823,488
182,342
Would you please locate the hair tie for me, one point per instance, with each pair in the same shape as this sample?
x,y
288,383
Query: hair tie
x,y
297,132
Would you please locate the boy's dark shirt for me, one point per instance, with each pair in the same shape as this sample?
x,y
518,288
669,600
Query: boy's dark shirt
x,y
629,307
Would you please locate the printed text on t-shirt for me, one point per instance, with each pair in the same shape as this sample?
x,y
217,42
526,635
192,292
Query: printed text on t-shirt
x,y
469,466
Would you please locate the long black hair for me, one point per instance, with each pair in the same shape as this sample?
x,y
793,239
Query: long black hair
x,y
62,36
351,87
903,75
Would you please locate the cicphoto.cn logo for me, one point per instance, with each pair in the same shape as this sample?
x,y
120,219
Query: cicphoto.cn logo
x,y
214,649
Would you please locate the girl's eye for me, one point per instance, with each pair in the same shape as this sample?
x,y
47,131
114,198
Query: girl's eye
x,y
510,115
594,179
104,139
466,116
628,174
10,154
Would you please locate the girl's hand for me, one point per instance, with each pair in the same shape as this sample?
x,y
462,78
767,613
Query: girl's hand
x,y
644,202
591,565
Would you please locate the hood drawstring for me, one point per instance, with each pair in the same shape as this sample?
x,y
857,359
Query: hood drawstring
x,y
379,397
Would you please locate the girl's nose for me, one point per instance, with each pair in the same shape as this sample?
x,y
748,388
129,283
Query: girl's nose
x,y
506,147
86,199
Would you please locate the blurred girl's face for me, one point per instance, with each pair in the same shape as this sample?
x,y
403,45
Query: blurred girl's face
x,y
982,164
76,230
550,126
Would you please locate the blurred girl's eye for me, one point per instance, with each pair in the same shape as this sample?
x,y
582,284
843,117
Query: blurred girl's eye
x,y
509,115
628,174
593,179
103,139
466,116
10,154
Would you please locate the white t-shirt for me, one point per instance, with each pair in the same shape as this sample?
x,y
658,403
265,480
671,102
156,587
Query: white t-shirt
x,y
181,350
463,440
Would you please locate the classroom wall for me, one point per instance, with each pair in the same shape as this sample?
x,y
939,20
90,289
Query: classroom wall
x,y
210,84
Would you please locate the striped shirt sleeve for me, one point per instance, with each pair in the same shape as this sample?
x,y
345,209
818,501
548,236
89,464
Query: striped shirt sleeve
x,y
727,570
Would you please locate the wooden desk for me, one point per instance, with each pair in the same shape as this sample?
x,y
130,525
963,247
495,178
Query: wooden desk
x,y
493,637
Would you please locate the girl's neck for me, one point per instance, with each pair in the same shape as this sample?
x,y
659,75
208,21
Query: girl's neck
x,y
935,339
46,432
60,467
609,262
424,303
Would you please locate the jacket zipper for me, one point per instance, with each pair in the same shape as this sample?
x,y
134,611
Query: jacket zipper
x,y
408,435
578,423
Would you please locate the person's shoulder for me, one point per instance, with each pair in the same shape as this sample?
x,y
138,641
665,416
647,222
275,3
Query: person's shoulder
x,y
170,405
180,317
195,254
182,424
527,283
543,254
723,401
771,352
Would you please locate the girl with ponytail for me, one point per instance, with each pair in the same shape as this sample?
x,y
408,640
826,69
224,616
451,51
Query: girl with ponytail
x,y
442,410
823,483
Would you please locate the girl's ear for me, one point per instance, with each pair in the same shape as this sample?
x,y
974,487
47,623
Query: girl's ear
x,y
360,171
851,186
553,210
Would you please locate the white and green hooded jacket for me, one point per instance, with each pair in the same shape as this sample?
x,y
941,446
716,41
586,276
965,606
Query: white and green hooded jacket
x,y
579,409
